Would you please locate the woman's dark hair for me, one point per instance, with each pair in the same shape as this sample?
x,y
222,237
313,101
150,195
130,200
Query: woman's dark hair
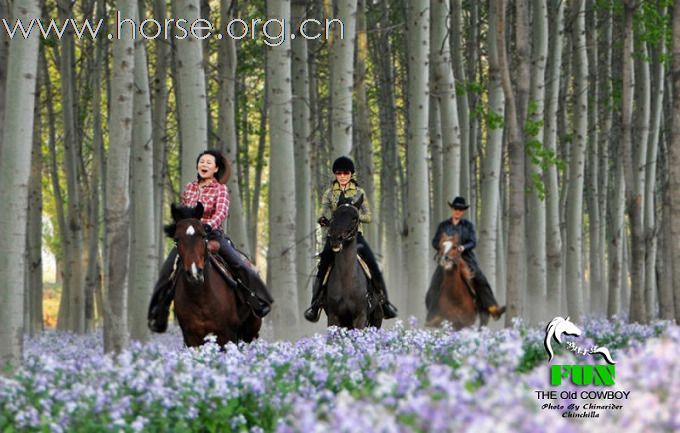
x,y
223,165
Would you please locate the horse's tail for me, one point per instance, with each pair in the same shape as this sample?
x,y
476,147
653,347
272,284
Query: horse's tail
x,y
605,354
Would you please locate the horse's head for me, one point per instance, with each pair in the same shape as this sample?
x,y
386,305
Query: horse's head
x,y
190,238
449,256
345,221
556,328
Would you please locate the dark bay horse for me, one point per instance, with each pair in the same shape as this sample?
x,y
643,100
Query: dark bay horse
x,y
349,302
204,302
456,303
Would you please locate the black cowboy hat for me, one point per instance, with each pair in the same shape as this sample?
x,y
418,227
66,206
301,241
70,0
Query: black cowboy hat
x,y
458,203
343,163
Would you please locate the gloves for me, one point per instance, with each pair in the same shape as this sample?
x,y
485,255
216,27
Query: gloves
x,y
323,221
207,228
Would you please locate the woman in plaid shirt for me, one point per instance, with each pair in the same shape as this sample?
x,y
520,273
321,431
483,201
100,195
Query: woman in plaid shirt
x,y
211,191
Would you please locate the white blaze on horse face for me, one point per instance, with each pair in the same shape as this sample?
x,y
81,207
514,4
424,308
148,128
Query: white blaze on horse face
x,y
447,247
194,270
191,231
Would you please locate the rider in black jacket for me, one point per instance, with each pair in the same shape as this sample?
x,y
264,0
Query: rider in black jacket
x,y
467,242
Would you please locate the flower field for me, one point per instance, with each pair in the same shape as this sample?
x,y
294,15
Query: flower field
x,y
406,379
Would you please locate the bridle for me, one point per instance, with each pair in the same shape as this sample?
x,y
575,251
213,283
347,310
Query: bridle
x,y
353,230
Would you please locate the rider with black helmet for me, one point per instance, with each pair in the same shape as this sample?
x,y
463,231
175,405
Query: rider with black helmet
x,y
344,182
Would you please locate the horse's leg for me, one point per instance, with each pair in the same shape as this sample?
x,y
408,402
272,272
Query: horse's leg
x,y
250,329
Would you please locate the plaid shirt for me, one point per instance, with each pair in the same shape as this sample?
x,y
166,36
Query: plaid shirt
x,y
215,200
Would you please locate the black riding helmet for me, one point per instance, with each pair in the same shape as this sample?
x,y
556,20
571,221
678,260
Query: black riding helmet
x,y
343,163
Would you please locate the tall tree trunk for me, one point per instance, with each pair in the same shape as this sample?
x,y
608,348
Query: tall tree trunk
x,y
305,221
143,249
259,167
193,116
631,171
159,96
491,160
417,142
444,89
534,133
15,170
516,230
456,49
281,271
650,202
381,53
117,214
654,224
364,146
674,160
73,293
342,77
227,96
437,208
574,270
33,318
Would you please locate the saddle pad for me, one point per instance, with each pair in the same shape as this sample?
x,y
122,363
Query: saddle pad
x,y
363,265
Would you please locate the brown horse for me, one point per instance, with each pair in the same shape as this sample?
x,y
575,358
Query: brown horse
x,y
205,301
349,302
456,303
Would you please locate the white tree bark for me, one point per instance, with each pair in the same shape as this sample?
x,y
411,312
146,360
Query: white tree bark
x,y
516,181
72,308
418,253
574,270
536,237
631,171
674,160
15,167
281,270
159,89
33,317
364,145
462,101
305,222
652,225
117,210
342,78
444,88
491,161
193,116
143,261
236,224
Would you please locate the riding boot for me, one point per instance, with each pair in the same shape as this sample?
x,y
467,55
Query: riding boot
x,y
163,294
313,313
257,294
485,298
433,292
389,310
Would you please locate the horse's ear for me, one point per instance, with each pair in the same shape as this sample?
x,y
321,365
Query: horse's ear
x,y
341,198
173,211
359,201
198,210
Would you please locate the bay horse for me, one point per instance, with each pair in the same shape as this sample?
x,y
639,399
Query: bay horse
x,y
205,303
349,302
456,302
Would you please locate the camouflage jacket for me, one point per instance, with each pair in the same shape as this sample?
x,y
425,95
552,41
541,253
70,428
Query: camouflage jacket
x,y
329,202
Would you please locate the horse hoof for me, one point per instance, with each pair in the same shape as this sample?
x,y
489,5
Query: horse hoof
x,y
158,327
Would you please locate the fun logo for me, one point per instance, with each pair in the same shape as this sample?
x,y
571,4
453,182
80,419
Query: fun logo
x,y
579,374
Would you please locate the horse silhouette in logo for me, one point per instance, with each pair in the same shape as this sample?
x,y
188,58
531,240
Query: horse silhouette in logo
x,y
560,326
